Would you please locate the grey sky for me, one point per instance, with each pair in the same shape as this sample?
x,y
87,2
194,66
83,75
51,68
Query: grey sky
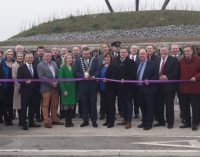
x,y
17,15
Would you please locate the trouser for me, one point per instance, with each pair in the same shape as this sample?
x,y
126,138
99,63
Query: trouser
x,y
194,100
166,99
102,103
127,107
147,106
88,105
110,106
28,101
38,100
8,106
51,96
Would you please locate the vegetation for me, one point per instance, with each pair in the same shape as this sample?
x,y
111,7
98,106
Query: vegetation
x,y
119,20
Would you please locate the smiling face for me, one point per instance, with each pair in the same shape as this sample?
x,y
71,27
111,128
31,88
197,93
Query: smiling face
x,y
19,57
69,59
188,52
143,55
47,57
164,52
9,55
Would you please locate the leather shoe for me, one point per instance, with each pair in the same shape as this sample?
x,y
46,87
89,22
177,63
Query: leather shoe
x,y
159,124
24,127
84,124
34,125
141,125
194,128
147,127
185,126
128,126
105,124
57,123
110,126
94,125
47,125
170,126
122,123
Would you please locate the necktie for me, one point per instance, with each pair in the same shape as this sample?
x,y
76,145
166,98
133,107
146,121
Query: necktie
x,y
139,70
162,66
30,69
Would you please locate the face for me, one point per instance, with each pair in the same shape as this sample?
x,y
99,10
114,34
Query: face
x,y
9,56
40,52
107,60
164,51
19,49
143,55
105,48
174,49
150,50
47,57
86,54
188,52
19,57
76,51
123,53
134,50
54,51
29,58
63,52
69,60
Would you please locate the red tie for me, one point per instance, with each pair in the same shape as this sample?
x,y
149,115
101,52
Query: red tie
x,y
162,66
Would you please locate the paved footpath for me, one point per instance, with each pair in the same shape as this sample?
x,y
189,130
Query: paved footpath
x,y
101,141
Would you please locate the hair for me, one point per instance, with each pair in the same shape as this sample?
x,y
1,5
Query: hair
x,y
107,55
40,47
65,58
85,49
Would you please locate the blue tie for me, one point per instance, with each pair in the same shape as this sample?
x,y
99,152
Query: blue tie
x,y
139,70
30,69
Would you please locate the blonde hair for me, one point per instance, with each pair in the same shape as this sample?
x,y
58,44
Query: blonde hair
x,y
65,58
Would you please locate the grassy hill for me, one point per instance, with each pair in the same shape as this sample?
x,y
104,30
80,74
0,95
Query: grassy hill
x,y
121,20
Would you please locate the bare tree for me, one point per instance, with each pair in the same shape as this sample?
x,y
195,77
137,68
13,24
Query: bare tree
x,y
109,6
137,2
165,4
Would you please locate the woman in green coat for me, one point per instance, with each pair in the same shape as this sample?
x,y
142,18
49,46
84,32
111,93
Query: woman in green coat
x,y
68,91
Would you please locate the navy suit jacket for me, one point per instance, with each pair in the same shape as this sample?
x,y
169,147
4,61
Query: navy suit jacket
x,y
150,73
24,73
79,73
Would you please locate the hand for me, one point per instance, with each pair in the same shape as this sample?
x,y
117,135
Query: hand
x,y
55,84
92,78
87,77
122,80
28,82
193,79
146,82
105,80
65,93
163,77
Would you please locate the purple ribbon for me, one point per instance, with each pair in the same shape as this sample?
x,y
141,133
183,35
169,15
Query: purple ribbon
x,y
81,79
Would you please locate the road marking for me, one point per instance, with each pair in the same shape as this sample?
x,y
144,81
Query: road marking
x,y
177,143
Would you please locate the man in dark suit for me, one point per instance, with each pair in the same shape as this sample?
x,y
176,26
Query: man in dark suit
x,y
134,56
127,71
146,91
151,53
168,70
28,91
87,68
36,61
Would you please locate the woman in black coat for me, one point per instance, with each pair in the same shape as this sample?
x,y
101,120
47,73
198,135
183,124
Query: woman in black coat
x,y
108,88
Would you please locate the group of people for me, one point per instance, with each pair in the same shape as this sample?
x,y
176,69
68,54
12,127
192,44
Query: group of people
x,y
71,79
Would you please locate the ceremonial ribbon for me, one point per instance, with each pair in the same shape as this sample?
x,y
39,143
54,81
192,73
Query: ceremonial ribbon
x,y
81,79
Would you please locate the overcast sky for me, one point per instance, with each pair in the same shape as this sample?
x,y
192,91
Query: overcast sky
x,y
17,15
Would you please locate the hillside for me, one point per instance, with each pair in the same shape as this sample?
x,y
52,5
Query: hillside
x,y
115,21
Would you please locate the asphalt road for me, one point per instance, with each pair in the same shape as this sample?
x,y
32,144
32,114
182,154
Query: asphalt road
x,y
101,141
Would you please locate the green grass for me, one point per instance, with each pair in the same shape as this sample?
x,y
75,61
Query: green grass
x,y
120,20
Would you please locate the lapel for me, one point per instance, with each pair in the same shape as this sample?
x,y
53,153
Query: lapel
x,y
28,72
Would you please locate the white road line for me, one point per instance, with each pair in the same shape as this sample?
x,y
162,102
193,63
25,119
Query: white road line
x,y
100,152
106,135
